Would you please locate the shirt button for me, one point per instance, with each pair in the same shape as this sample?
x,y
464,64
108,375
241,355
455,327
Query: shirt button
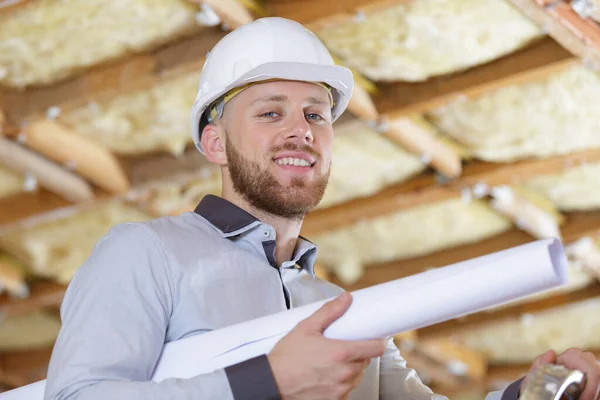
x,y
266,233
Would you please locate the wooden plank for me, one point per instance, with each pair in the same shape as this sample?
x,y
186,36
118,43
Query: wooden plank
x,y
107,80
305,11
26,204
534,62
422,190
43,294
562,29
20,368
49,175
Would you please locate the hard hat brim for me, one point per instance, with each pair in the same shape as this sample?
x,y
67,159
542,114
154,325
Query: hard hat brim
x,y
339,78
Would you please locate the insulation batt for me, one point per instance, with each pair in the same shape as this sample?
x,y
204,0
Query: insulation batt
x,y
421,39
554,116
10,183
45,41
364,162
411,233
139,122
575,189
521,340
56,248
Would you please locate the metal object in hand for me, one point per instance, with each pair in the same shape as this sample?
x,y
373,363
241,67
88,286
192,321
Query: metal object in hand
x,y
554,382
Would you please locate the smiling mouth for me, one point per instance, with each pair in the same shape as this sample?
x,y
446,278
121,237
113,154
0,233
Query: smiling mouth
x,y
294,161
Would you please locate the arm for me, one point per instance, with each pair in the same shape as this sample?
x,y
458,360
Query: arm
x,y
397,382
115,316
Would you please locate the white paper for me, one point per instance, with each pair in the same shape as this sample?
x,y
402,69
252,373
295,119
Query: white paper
x,y
378,311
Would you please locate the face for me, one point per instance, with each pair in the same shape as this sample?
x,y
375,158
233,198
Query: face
x,y
278,146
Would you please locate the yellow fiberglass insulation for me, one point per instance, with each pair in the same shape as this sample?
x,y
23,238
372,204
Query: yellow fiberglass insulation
x,y
364,162
178,195
575,189
520,340
409,233
10,183
150,120
56,244
45,41
554,116
413,41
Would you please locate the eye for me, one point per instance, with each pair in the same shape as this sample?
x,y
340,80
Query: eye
x,y
269,114
314,116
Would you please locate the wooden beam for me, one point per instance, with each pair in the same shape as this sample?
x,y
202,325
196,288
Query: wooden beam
x,y
305,11
537,61
90,159
49,175
42,294
423,190
21,368
107,80
26,204
575,34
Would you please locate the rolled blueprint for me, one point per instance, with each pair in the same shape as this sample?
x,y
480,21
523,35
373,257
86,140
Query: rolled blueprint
x,y
379,311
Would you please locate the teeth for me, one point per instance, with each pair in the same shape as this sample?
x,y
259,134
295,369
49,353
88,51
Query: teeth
x,y
298,162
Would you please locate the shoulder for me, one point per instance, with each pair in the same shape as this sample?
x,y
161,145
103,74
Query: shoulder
x,y
163,231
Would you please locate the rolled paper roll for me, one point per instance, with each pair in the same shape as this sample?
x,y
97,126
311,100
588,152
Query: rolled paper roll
x,y
376,312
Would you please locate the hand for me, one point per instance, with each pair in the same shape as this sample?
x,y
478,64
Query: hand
x,y
572,359
307,365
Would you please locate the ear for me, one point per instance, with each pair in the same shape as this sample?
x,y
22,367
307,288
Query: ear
x,y
213,145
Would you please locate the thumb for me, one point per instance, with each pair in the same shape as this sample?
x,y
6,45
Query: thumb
x,y
546,358
328,313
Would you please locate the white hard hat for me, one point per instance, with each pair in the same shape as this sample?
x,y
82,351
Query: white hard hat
x,y
266,49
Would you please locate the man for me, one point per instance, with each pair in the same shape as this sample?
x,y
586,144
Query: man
x,y
268,96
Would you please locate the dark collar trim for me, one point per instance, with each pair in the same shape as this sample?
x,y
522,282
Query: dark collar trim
x,y
224,215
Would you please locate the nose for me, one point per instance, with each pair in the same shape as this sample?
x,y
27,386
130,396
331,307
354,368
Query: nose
x,y
299,129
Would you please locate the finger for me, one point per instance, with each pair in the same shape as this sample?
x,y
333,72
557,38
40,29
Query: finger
x,y
546,358
328,313
586,363
360,350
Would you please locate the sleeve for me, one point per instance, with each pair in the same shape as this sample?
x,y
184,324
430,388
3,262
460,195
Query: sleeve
x,y
115,316
397,382
510,393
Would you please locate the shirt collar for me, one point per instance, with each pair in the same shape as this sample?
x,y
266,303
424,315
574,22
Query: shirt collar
x,y
230,220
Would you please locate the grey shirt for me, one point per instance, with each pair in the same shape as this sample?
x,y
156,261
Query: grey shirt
x,y
146,284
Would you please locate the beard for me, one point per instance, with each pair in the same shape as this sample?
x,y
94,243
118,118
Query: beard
x,y
260,188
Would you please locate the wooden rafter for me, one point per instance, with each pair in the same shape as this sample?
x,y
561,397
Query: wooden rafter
x,y
88,158
424,190
562,23
537,61
26,204
20,368
109,80
51,176
43,294
307,11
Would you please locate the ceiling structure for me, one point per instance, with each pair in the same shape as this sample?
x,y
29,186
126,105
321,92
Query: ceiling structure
x,y
473,128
